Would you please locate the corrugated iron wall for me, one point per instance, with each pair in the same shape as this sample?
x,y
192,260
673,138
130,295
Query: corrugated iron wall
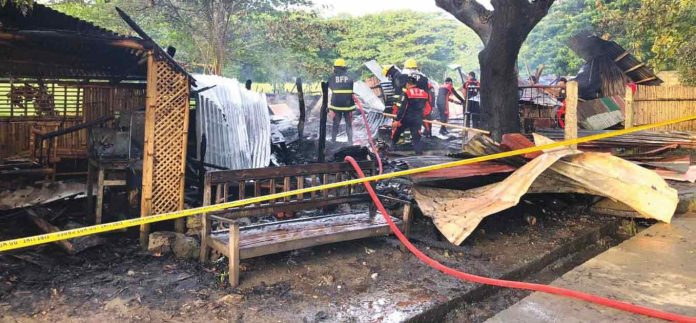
x,y
660,103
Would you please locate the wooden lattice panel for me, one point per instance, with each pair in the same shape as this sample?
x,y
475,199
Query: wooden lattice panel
x,y
166,127
171,123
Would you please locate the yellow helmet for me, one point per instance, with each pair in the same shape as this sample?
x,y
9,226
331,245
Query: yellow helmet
x,y
385,69
340,63
411,64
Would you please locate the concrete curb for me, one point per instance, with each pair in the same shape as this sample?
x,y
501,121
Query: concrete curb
x,y
437,312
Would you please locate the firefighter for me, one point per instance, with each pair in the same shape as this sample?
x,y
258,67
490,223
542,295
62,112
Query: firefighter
x,y
410,114
342,103
443,100
398,83
423,83
471,87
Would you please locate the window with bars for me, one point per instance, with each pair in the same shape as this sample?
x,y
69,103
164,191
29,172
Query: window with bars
x,y
38,99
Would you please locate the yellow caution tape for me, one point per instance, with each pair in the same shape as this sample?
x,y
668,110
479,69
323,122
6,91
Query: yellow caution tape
x,y
100,228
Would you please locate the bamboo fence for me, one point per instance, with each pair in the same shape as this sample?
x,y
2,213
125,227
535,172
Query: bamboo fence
x,y
652,104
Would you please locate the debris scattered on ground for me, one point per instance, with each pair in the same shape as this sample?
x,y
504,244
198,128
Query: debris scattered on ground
x,y
39,214
164,242
40,194
186,247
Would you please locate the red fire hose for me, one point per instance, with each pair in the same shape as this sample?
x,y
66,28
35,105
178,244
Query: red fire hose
x,y
628,307
369,134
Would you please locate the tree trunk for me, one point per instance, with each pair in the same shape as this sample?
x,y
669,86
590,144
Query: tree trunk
x,y
218,61
499,94
502,32
499,87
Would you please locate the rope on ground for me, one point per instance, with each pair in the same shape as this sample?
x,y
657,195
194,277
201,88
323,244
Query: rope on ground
x,y
101,228
628,307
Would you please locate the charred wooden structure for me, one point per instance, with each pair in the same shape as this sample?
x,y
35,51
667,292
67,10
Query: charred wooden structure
x,y
58,72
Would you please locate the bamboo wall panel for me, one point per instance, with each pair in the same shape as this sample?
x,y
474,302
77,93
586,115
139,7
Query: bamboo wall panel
x,y
661,103
74,104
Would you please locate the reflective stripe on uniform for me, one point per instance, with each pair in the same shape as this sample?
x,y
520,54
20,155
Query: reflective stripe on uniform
x,y
351,108
342,91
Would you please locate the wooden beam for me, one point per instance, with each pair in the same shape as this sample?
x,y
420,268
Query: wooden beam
x,y
628,122
620,57
322,121
40,36
149,151
180,224
634,68
647,79
71,246
303,117
233,244
571,114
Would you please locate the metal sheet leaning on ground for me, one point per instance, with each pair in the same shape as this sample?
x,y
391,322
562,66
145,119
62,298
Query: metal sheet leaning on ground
x,y
95,229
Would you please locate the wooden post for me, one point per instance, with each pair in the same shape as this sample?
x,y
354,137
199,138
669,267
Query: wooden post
x,y
406,218
90,187
322,121
149,148
180,223
303,113
571,114
234,255
466,115
628,122
205,223
100,196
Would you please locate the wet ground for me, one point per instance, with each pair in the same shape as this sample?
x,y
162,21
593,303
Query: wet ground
x,y
369,280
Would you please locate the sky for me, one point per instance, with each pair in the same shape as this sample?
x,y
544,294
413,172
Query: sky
x,y
362,7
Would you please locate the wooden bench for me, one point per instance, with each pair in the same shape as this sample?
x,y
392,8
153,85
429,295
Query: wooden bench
x,y
275,236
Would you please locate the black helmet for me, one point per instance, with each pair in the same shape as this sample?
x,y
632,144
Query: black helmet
x,y
413,78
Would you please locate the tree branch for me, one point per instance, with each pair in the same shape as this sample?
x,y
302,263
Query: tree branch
x,y
540,8
471,13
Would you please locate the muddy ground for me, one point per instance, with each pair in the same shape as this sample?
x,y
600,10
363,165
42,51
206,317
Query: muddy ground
x,y
369,280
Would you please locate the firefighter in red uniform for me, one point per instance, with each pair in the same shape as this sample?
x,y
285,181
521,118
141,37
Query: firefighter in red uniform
x,y
443,100
399,79
410,115
423,83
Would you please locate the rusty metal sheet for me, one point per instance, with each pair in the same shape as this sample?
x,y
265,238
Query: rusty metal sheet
x,y
480,169
457,213
689,176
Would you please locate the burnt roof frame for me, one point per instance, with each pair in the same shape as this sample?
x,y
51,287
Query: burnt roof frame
x,y
67,41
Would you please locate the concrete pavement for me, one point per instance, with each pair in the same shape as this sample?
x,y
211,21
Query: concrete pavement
x,y
656,268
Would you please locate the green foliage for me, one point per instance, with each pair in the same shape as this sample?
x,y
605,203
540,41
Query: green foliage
x,y
22,4
547,43
434,40
278,43
687,64
653,30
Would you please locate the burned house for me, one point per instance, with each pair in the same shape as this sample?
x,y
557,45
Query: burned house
x,y
61,76
603,79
